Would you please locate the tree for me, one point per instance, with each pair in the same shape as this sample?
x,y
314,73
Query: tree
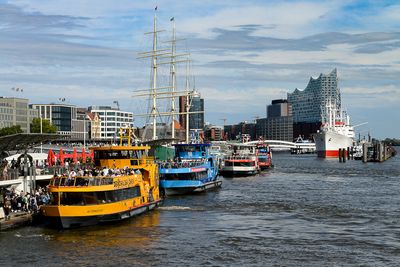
x,y
47,127
10,130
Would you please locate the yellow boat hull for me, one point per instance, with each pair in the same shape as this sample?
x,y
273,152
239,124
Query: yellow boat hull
x,y
67,216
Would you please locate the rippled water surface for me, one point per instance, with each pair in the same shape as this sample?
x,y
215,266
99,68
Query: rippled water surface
x,y
304,212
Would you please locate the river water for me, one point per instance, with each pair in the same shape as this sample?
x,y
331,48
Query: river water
x,y
304,212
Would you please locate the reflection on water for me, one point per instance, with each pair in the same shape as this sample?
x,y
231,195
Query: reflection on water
x,y
134,233
306,211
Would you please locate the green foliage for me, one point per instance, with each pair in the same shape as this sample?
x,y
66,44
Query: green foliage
x,y
10,130
47,127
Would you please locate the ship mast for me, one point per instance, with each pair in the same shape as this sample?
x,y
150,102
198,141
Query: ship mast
x,y
187,104
173,77
154,87
161,57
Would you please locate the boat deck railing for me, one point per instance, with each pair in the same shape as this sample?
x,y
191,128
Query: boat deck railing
x,y
240,157
64,180
183,164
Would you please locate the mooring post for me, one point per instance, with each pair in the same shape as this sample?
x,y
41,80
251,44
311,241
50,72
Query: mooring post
x,y
365,152
344,154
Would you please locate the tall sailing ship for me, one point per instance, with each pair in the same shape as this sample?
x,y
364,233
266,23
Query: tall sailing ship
x,y
335,133
192,169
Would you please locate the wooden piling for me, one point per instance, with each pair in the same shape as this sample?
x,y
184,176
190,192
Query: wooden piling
x,y
344,154
365,153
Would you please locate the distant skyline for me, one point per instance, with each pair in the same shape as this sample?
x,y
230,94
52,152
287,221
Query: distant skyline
x,y
245,53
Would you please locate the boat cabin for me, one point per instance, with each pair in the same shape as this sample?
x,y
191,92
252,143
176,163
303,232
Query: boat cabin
x,y
121,156
191,151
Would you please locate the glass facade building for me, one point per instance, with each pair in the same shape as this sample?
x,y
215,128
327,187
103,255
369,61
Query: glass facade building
x,y
308,105
196,119
60,115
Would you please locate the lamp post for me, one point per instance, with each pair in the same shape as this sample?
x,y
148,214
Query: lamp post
x,y
84,131
41,129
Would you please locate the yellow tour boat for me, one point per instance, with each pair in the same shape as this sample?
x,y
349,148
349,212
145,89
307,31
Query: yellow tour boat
x,y
123,183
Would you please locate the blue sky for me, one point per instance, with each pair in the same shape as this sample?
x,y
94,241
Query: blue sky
x,y
245,53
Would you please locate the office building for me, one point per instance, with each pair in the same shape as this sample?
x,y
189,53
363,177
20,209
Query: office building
x,y
196,111
279,122
111,120
60,115
261,128
213,133
235,132
16,111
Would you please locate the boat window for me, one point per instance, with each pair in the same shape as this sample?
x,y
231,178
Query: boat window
x,y
54,198
95,198
116,154
72,199
240,164
228,163
90,198
101,197
184,176
185,149
110,196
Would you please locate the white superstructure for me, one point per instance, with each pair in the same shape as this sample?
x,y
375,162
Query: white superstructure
x,y
336,132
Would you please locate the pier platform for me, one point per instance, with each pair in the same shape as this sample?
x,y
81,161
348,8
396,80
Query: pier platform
x,y
15,220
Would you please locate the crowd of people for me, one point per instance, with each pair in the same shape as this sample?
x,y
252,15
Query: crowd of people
x,y
93,172
13,202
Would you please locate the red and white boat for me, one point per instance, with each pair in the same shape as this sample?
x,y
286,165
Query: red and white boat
x,y
335,133
242,162
264,155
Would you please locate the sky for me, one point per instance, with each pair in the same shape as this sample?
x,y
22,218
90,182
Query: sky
x,y
244,54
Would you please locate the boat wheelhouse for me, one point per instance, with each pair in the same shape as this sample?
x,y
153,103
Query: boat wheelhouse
x,y
242,162
192,170
123,183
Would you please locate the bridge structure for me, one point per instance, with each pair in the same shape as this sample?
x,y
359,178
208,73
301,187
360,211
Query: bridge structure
x,y
297,147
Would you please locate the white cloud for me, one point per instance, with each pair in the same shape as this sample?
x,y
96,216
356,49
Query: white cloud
x,y
287,19
87,8
372,97
335,54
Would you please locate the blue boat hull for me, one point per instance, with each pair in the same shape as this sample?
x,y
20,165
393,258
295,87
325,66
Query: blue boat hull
x,y
185,188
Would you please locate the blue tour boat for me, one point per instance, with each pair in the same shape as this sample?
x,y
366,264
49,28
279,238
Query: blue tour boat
x,y
192,170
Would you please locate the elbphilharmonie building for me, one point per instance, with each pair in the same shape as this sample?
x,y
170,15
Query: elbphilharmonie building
x,y
308,105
